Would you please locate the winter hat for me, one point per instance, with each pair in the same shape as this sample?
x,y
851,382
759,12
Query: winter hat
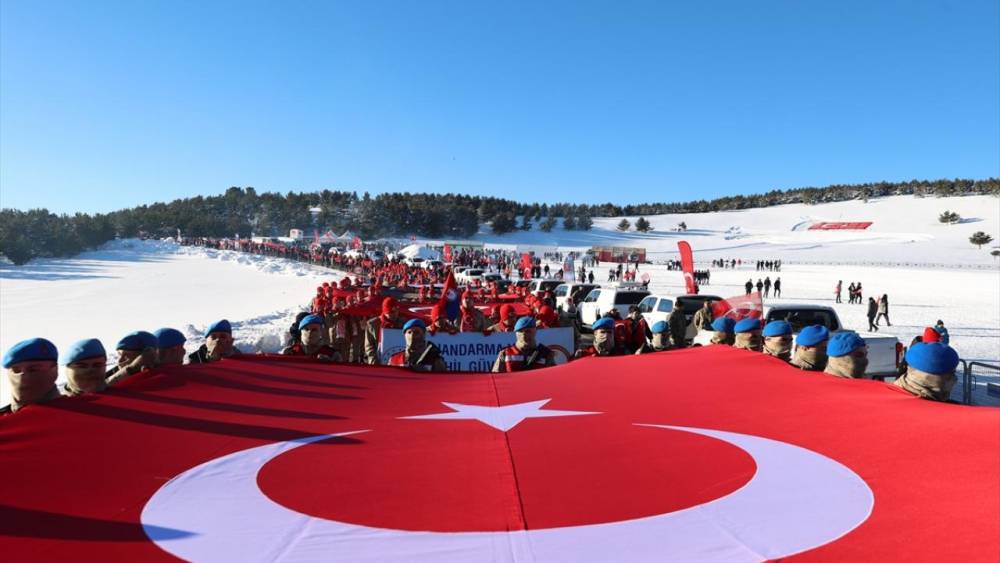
x,y
137,341
506,311
310,320
83,350
414,323
813,335
219,326
723,324
843,343
748,324
168,338
658,327
934,358
546,314
34,349
388,304
777,328
931,335
523,323
605,323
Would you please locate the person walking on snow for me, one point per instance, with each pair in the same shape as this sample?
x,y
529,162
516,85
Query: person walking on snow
x,y
840,285
883,310
872,312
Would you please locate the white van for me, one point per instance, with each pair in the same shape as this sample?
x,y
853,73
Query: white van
x,y
656,308
578,291
603,299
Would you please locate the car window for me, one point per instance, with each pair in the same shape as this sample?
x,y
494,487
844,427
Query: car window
x,y
646,305
690,305
592,296
548,285
561,290
629,297
665,306
800,318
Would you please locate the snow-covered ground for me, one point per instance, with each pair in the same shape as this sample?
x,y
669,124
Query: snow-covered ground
x,y
930,271
145,285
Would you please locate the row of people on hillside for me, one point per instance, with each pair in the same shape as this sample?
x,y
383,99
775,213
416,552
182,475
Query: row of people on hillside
x,y
32,365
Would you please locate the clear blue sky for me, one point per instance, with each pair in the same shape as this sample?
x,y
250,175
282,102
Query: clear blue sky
x,y
105,105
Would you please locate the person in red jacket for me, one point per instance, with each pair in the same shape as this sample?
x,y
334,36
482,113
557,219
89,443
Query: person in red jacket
x,y
636,330
507,320
526,353
311,344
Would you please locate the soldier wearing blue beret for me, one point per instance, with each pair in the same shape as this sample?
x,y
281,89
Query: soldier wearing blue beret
x,y
778,340
136,352
659,342
723,327
170,346
604,340
847,355
32,372
86,362
526,353
747,334
218,344
810,348
931,371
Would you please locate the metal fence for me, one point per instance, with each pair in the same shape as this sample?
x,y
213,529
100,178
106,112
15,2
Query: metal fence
x,y
970,368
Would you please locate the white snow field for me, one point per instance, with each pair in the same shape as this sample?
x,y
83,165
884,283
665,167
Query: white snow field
x,y
930,271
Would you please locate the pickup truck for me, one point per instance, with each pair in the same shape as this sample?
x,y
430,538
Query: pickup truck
x,y
884,351
658,307
600,300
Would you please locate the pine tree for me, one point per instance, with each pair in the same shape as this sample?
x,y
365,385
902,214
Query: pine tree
x,y
503,223
548,224
642,225
584,222
526,223
979,238
949,217
624,225
569,223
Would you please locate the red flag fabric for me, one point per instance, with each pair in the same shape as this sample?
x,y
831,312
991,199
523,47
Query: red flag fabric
x,y
450,298
687,266
447,253
739,307
260,458
526,265
356,243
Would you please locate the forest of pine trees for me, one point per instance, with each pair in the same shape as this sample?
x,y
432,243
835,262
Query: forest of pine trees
x,y
242,211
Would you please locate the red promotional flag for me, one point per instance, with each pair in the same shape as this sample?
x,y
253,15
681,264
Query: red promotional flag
x,y
687,266
263,458
447,253
739,307
356,243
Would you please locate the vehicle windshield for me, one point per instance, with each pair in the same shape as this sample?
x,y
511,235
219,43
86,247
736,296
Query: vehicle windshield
x,y
800,318
629,297
592,296
690,305
646,305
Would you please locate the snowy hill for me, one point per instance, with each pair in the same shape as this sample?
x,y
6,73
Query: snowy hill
x,y
904,229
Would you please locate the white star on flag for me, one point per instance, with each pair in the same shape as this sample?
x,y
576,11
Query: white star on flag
x,y
502,418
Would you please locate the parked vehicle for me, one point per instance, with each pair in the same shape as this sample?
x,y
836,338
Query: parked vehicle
x,y
884,350
578,291
603,299
540,286
658,307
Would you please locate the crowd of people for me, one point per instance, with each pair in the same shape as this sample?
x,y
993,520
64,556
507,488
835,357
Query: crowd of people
x,y
764,286
345,322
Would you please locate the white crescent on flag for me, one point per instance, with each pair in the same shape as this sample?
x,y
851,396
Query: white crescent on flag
x,y
796,500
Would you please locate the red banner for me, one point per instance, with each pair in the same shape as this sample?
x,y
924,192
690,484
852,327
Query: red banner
x,y
834,226
739,307
526,265
447,253
687,266
356,243
266,458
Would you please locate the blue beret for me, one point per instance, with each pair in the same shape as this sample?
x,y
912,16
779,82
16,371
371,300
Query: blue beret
x,y
605,323
524,322
219,326
723,324
33,349
83,350
934,357
777,328
138,340
746,325
812,335
414,323
169,337
310,320
658,327
843,343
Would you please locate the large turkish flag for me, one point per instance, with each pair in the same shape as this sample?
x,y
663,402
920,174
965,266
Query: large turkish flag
x,y
700,454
